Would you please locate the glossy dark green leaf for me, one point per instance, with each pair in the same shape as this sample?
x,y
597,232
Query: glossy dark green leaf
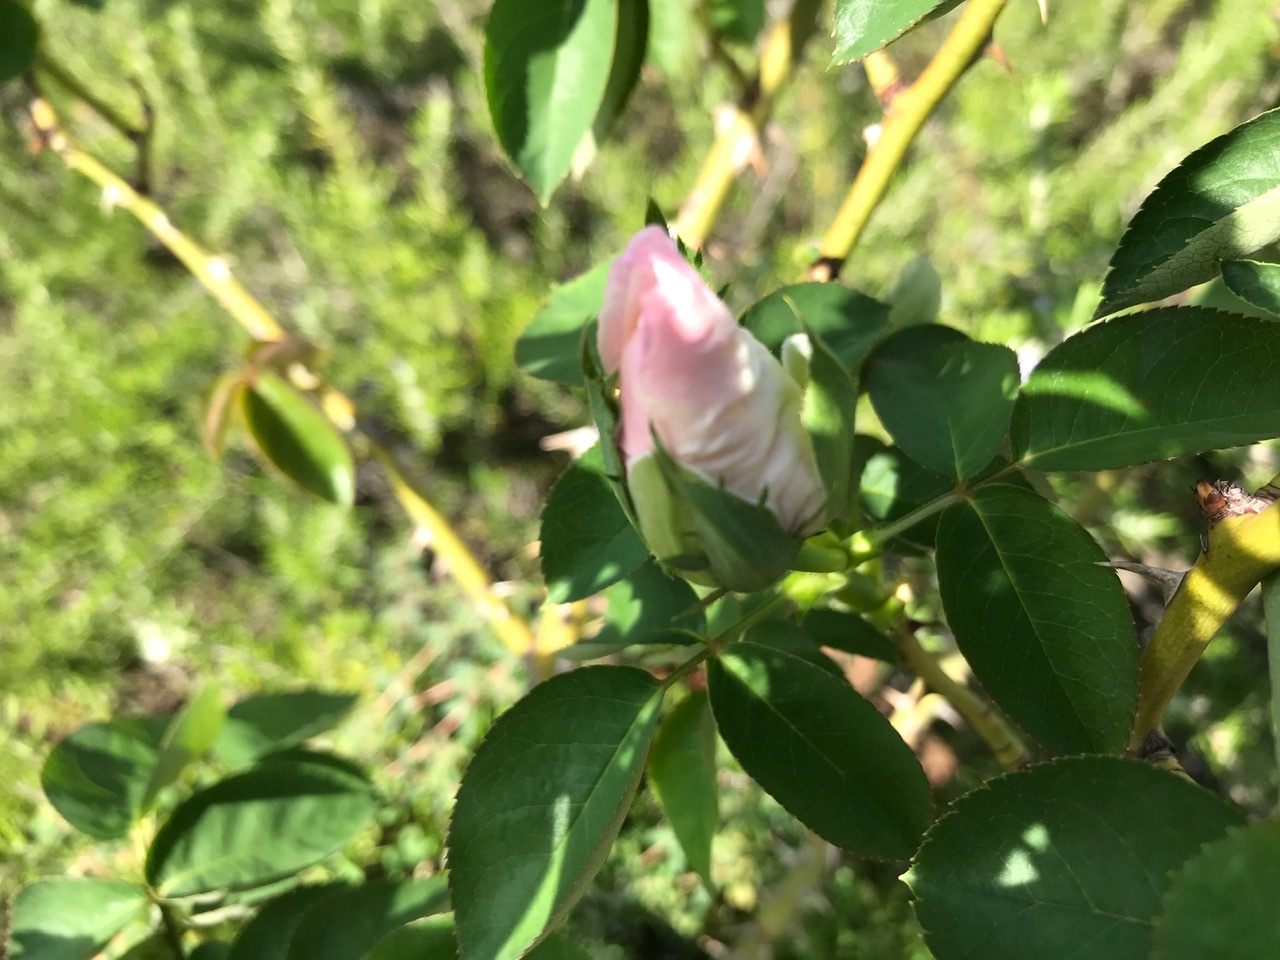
x,y
541,803
349,922
587,541
1045,627
1069,858
892,486
97,776
192,732
267,722
862,26
848,322
944,399
1255,283
71,919
822,751
648,606
19,37
682,772
549,347
1148,386
267,935
257,826
783,634
830,401
848,632
1222,203
1222,902
431,938
546,67
297,439
737,20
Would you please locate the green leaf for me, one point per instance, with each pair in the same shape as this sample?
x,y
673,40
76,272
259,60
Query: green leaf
x,y
546,67
1069,858
349,922
266,936
97,776
863,26
1044,626
892,486
944,399
1222,203
916,296
549,347
848,322
818,748
1255,283
69,919
541,803
556,947
670,23
257,826
587,540
431,938
211,950
737,20
190,734
682,772
1148,386
782,633
226,395
647,606
266,722
295,438
830,401
19,36
624,70
1222,902
848,632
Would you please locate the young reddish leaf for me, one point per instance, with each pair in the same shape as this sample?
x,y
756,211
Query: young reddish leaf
x,y
820,750
682,771
297,439
1222,203
541,803
1044,625
1069,858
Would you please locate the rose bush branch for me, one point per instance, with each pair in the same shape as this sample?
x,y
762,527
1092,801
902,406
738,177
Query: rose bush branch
x,y
910,108
215,275
738,137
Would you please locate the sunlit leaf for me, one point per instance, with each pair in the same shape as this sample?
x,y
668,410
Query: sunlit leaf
x,y
1222,203
862,26
1073,855
541,803
682,771
1255,283
1148,386
72,919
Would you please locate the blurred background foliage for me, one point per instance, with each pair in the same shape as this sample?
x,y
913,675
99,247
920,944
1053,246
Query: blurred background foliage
x,y
339,153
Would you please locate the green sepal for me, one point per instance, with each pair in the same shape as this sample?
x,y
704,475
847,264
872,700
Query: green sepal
x,y
705,533
604,411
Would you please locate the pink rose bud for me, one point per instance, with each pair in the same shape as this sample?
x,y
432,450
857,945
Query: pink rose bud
x,y
719,402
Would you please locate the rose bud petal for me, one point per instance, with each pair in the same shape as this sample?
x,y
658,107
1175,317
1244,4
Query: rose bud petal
x,y
719,402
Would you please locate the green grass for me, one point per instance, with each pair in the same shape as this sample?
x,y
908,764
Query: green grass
x,y
338,153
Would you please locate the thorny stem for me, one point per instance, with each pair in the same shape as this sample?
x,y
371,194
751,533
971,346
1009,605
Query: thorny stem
x,y
908,111
215,274
737,138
